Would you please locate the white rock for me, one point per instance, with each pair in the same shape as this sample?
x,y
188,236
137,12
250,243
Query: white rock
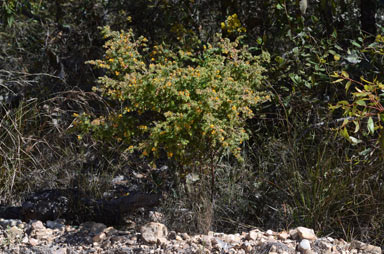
x,y
25,239
232,239
304,246
37,225
252,235
269,232
306,233
153,232
33,241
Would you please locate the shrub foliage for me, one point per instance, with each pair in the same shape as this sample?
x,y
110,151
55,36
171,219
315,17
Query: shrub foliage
x,y
190,104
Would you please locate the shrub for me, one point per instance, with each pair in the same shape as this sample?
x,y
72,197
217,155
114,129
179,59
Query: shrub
x,y
190,105
363,106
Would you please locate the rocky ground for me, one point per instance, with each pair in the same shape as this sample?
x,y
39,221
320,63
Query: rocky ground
x,y
36,237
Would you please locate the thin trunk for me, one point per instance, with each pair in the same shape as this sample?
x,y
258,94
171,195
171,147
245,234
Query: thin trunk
x,y
368,10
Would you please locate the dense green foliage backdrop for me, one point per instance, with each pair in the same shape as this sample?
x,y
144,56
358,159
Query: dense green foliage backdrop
x,y
290,127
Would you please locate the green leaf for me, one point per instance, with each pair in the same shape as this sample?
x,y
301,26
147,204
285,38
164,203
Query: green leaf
x,y
279,6
371,125
344,133
343,102
361,103
347,85
344,74
357,126
354,43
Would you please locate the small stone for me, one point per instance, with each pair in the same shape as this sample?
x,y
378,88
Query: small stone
x,y
269,232
247,247
99,237
178,238
304,246
33,241
37,225
185,236
283,235
172,235
162,241
232,239
306,233
120,238
25,239
252,235
366,248
60,251
109,231
153,232
43,234
294,234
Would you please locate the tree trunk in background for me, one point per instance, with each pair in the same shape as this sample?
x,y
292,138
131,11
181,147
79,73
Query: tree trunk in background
x,y
326,15
368,10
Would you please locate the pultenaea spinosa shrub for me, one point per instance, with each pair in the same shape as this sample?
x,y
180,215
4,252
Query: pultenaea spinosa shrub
x,y
190,105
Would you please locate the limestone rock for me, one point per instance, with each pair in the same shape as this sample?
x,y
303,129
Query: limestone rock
x,y
252,235
365,248
306,233
153,232
37,225
304,246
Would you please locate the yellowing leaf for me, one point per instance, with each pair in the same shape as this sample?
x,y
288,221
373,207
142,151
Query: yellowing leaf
x,y
344,133
357,126
347,85
338,80
345,74
336,57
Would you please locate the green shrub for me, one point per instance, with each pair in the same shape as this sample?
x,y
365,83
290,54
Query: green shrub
x,y
188,104
363,106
